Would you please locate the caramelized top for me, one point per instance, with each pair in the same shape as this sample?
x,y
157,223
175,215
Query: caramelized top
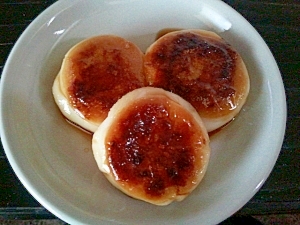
x,y
201,69
101,70
156,144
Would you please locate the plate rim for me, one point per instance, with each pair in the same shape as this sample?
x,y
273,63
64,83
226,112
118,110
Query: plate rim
x,y
4,135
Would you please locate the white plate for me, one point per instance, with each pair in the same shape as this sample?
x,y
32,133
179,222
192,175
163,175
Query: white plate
x,y
54,160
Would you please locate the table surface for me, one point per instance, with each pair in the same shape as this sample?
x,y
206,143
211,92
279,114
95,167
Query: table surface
x,y
278,22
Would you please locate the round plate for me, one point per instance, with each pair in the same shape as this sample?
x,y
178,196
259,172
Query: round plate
x,y
54,160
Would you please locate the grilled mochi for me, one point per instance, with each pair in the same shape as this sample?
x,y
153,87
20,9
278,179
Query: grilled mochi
x,y
152,146
202,68
94,74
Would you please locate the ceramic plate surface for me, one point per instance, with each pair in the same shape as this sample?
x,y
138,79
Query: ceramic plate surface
x,y
54,160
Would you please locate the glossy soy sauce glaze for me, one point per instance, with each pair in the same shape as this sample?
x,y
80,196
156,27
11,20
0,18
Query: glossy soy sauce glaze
x,y
199,69
156,147
102,75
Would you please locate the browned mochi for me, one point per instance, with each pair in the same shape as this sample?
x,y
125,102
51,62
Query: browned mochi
x,y
152,146
97,72
202,68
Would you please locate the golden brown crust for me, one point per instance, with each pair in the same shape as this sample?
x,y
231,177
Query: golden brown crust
x,y
203,69
98,71
153,146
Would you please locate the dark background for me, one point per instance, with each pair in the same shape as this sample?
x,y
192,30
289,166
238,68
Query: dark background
x,y
278,22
